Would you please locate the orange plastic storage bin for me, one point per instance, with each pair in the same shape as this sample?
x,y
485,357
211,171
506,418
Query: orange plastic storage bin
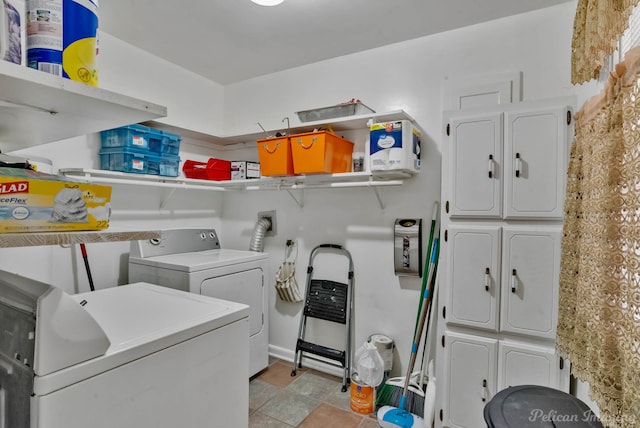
x,y
275,156
320,152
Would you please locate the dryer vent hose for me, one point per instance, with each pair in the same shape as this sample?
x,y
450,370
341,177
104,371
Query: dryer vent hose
x,y
260,230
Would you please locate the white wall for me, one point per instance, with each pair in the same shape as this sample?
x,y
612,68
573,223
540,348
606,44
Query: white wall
x,y
192,101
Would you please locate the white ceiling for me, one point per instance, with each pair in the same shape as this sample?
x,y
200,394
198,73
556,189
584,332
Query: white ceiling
x,y
228,41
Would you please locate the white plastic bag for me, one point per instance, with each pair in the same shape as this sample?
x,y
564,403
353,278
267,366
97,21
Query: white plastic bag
x,y
369,364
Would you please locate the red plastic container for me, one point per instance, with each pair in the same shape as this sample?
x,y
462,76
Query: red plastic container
x,y
213,169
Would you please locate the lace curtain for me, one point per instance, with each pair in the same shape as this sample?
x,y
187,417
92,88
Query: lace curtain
x,y
597,27
599,312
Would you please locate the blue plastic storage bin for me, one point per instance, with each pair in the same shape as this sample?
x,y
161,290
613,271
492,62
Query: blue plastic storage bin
x,y
132,136
124,160
165,143
165,165
137,161
143,138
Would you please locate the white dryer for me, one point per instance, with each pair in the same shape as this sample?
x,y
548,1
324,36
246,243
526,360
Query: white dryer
x,y
128,357
192,260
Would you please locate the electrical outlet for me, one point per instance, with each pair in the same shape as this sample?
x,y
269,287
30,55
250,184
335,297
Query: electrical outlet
x,y
271,216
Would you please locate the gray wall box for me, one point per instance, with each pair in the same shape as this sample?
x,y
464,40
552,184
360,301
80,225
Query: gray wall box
x,y
408,247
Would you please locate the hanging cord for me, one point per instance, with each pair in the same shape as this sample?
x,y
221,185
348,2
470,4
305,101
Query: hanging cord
x,y
286,283
83,249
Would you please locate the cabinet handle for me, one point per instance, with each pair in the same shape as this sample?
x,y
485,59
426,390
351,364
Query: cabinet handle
x,y
514,281
484,390
487,278
490,166
518,164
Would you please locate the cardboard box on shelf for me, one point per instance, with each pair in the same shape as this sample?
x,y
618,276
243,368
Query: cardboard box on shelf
x,y
244,170
32,201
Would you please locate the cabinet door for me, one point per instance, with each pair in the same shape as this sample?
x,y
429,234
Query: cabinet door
x,y
474,276
470,379
528,364
535,157
531,266
475,156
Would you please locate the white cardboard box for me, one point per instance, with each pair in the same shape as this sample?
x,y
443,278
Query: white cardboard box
x,y
242,170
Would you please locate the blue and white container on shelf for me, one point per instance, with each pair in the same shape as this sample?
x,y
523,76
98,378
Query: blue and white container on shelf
x,y
44,35
394,146
62,38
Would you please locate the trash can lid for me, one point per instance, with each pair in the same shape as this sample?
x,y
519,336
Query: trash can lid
x,y
532,406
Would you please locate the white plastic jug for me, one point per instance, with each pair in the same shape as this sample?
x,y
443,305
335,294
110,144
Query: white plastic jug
x,y
369,365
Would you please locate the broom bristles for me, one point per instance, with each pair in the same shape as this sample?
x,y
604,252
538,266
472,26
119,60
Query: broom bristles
x,y
391,395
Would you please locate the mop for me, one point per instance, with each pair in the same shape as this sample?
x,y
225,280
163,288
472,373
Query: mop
x,y
389,416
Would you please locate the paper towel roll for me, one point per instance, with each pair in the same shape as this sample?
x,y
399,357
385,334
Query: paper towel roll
x,y
385,346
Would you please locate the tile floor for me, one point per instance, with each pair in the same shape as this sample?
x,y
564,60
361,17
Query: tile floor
x,y
311,399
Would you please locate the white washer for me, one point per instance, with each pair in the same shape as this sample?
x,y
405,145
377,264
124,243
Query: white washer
x,y
128,357
192,260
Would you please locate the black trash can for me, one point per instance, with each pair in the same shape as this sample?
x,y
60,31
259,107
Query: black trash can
x,y
531,406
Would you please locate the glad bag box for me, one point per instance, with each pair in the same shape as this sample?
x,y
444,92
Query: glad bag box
x,y
32,201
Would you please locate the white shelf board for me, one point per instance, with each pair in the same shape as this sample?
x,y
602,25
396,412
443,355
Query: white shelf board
x,y
345,180
8,240
115,177
38,108
348,123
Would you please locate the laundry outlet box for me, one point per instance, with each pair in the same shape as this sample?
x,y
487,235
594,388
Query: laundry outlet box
x,y
32,201
320,152
394,146
243,170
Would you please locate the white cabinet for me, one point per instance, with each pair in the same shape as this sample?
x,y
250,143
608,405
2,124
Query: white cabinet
x,y
478,367
503,196
508,164
475,148
503,278
530,274
524,364
471,379
473,276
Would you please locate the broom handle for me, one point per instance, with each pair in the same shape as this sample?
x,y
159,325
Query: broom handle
x,y
434,219
426,300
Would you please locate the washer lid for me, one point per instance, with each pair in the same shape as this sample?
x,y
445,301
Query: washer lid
x,y
199,260
140,319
